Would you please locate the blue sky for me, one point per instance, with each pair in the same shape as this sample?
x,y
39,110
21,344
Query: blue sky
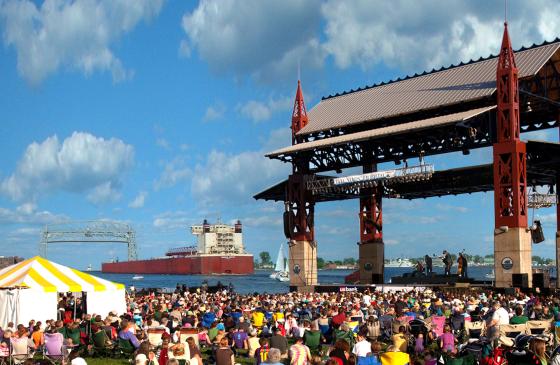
x,y
158,114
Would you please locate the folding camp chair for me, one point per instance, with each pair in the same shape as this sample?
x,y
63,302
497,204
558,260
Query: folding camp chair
x,y
101,344
185,333
437,322
54,347
539,327
475,329
512,330
4,355
20,350
155,336
125,347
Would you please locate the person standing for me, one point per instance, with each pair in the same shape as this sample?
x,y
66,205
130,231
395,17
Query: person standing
x,y
428,261
447,262
462,262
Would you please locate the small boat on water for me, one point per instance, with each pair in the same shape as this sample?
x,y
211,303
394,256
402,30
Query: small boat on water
x,y
89,268
280,273
137,277
490,275
400,262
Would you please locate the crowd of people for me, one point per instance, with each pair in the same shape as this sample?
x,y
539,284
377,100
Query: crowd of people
x,y
225,328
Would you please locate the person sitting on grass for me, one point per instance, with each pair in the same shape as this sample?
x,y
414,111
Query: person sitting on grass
x,y
261,354
126,333
224,354
299,353
340,352
194,352
274,357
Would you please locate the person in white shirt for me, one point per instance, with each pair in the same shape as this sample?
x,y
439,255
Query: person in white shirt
x,y
363,347
500,316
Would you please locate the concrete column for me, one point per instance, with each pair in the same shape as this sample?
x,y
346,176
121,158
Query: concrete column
x,y
371,262
512,246
302,264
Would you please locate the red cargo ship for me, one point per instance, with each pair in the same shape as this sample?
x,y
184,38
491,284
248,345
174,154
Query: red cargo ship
x,y
219,251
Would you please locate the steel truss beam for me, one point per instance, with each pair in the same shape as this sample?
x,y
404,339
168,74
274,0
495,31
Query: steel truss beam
x,y
89,232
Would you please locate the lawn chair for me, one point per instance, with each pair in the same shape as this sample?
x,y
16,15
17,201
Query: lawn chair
x,y
185,333
101,345
512,330
475,329
155,337
539,327
4,355
54,347
20,350
125,348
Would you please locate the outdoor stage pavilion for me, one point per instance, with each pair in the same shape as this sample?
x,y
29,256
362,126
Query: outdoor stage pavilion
x,y
481,103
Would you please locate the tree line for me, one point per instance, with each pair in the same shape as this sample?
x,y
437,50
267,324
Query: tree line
x,y
264,261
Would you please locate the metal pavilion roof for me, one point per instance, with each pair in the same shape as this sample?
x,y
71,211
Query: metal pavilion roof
x,y
447,86
383,132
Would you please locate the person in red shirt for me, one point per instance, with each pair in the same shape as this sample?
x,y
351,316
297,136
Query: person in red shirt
x,y
339,319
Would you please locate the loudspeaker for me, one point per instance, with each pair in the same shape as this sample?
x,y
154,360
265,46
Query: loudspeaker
x,y
541,280
520,280
537,235
288,224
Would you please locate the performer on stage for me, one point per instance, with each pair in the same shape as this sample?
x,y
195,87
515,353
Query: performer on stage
x,y
446,257
419,268
462,262
428,261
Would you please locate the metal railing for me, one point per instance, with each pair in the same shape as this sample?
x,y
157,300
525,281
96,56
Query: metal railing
x,y
372,179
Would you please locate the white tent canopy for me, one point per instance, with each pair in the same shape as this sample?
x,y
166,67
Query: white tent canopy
x,y
29,291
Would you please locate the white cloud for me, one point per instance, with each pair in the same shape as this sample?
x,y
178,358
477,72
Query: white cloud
x,y
139,201
448,208
214,112
75,34
174,172
417,35
235,178
391,242
400,34
104,193
259,111
173,220
163,143
28,214
81,163
260,38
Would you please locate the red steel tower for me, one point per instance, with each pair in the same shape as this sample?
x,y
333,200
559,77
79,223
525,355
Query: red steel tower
x,y
298,218
512,243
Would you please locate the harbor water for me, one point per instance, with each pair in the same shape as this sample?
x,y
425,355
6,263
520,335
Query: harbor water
x,y
260,281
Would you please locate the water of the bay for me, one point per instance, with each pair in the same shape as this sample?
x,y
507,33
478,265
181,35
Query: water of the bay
x,y
260,281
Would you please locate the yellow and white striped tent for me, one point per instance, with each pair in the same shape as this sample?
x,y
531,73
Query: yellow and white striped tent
x,y
29,290
39,273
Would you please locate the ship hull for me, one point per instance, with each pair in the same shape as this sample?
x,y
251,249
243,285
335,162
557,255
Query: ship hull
x,y
199,265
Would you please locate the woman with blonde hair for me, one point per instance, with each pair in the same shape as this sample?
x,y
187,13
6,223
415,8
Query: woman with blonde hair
x,y
538,347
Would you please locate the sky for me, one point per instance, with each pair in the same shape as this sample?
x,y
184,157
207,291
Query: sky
x,y
158,114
